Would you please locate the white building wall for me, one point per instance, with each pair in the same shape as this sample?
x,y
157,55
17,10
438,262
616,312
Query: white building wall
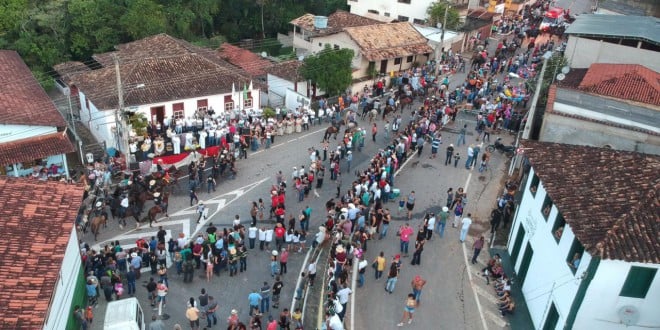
x,y
100,123
60,306
549,278
602,302
581,53
9,133
391,9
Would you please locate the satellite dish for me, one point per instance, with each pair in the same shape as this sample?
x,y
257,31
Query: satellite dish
x,y
301,58
629,315
264,54
561,76
566,69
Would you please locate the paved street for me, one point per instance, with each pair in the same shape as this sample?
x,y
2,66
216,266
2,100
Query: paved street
x,y
449,300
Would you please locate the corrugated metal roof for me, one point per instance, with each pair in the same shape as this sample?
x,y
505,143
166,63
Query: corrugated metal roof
x,y
645,27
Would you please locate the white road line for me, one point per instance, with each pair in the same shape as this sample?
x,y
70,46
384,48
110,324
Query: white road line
x,y
467,267
497,319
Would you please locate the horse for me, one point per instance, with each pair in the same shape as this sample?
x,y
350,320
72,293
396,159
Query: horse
x,y
153,212
330,131
131,211
387,110
402,100
95,224
477,61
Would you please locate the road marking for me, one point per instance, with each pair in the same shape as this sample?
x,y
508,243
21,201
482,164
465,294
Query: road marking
x,y
467,267
488,296
497,319
289,141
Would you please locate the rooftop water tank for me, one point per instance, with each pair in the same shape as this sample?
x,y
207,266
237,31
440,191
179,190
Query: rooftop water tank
x,y
320,22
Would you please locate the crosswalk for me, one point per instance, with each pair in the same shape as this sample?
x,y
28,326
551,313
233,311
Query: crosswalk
x,y
182,221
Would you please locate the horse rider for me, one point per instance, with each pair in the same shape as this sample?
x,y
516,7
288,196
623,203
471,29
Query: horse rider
x,y
99,210
161,202
123,205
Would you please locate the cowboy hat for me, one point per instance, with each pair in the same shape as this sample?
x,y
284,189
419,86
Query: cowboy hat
x,y
340,249
156,194
234,312
152,182
445,209
274,252
99,204
200,203
133,255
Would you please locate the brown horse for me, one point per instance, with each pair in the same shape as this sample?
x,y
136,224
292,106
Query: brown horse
x,y
131,211
388,109
153,212
330,131
96,223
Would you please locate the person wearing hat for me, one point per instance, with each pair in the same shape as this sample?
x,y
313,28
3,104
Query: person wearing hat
x,y
193,196
441,221
450,154
232,320
201,210
349,159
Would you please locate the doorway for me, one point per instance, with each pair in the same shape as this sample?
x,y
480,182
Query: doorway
x,y
383,66
517,244
157,115
524,264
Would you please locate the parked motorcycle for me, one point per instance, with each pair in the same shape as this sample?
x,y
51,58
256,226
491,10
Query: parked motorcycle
x,y
508,150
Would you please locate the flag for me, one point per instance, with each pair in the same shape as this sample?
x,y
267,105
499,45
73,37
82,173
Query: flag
x,y
233,91
250,88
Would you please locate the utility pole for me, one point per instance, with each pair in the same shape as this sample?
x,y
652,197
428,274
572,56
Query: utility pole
x,y
121,128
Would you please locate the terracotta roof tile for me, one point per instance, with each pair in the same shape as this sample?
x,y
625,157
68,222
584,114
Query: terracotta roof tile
x,y
22,100
337,21
388,40
244,59
608,197
632,82
67,69
31,270
286,70
35,148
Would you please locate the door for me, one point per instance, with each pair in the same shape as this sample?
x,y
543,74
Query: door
x,y
157,115
552,319
383,66
517,244
524,265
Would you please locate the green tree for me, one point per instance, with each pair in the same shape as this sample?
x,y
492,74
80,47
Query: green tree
x,y
329,69
94,27
143,18
436,12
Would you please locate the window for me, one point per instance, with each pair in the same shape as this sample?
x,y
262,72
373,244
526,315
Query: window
x,y
247,103
397,60
229,103
202,104
320,44
402,18
419,21
575,255
535,185
409,59
404,1
386,14
638,282
371,11
336,47
558,228
178,111
547,207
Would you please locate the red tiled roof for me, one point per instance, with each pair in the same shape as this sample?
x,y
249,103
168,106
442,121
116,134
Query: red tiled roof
x,y
164,68
337,21
244,59
287,70
37,220
632,82
34,148
608,197
388,40
22,100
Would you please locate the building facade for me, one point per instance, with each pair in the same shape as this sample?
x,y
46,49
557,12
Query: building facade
x,y
33,135
584,239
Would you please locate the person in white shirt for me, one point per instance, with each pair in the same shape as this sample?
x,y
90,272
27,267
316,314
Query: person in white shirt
x,y
333,322
269,237
466,222
430,224
262,238
343,294
252,235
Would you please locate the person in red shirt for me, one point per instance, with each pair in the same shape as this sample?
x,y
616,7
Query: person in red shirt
x,y
274,202
404,232
280,231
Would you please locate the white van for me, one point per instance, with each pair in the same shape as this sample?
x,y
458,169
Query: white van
x,y
124,314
